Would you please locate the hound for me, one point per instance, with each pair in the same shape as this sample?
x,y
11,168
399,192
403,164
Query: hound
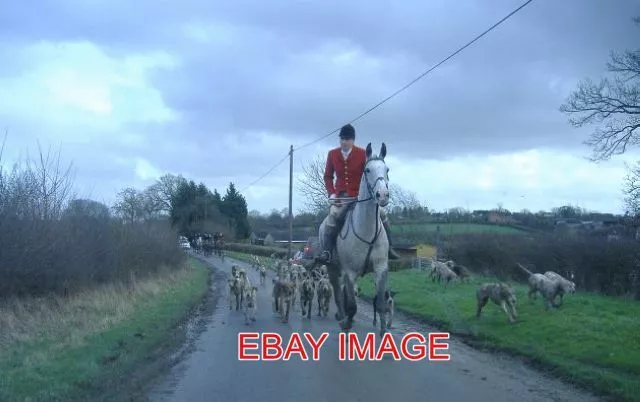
x,y
443,271
548,288
250,305
568,286
243,283
389,300
462,272
282,294
499,293
307,291
234,290
263,275
324,295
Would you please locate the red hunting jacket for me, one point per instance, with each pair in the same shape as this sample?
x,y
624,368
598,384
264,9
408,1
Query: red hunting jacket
x,y
348,172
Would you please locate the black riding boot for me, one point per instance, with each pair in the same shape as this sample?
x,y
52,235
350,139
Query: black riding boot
x,y
392,253
327,245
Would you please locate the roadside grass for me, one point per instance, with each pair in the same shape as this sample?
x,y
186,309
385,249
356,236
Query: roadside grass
x,y
78,347
591,340
270,263
454,228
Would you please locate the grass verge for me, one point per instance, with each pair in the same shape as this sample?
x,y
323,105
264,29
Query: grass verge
x,y
592,340
78,347
270,263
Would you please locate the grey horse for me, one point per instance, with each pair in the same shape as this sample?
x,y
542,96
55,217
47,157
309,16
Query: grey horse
x,y
362,245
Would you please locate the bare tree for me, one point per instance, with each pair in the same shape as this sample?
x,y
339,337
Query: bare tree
x,y
311,187
129,205
613,105
402,198
159,194
53,185
631,189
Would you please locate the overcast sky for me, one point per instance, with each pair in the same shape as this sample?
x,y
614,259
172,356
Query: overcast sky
x,y
218,90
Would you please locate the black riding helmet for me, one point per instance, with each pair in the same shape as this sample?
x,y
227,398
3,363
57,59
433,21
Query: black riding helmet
x,y
347,132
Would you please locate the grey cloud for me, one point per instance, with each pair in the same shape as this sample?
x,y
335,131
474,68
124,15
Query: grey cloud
x,y
496,102
493,97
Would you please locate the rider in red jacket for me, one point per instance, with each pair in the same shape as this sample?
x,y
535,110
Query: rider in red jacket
x,y
346,163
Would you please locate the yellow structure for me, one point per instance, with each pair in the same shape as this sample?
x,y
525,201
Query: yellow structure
x,y
426,250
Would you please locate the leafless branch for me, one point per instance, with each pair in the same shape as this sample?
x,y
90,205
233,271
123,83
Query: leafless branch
x,y
613,105
311,186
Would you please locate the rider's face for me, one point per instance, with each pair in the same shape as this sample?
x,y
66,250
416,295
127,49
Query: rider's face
x,y
346,144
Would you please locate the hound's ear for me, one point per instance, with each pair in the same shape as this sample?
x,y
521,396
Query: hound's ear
x,y
369,150
383,151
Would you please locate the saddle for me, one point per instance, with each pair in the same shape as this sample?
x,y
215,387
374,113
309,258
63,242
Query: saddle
x,y
340,222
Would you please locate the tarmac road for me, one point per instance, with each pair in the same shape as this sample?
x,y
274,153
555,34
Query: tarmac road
x,y
212,372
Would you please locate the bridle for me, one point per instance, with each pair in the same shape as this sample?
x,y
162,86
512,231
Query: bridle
x,y
370,190
369,185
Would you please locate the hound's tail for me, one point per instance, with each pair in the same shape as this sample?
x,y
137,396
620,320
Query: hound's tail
x,y
524,269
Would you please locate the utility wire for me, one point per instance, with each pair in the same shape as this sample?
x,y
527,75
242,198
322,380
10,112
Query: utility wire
x,y
402,89
266,174
385,100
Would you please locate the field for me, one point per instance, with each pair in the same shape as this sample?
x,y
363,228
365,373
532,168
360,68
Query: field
x,y
591,340
85,345
453,228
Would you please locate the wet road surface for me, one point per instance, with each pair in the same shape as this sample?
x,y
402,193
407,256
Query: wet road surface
x,y
212,371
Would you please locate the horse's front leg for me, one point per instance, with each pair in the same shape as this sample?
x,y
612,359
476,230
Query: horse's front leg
x,y
334,278
349,300
381,286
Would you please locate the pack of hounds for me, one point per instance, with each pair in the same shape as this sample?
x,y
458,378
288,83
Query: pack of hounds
x,y
293,282
550,285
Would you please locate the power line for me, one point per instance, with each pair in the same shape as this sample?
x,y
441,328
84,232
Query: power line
x,y
266,174
402,89
385,100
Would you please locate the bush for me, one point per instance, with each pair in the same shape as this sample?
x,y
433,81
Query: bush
x,y
54,243
598,265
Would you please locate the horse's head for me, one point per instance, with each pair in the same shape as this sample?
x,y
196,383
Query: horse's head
x,y
376,177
